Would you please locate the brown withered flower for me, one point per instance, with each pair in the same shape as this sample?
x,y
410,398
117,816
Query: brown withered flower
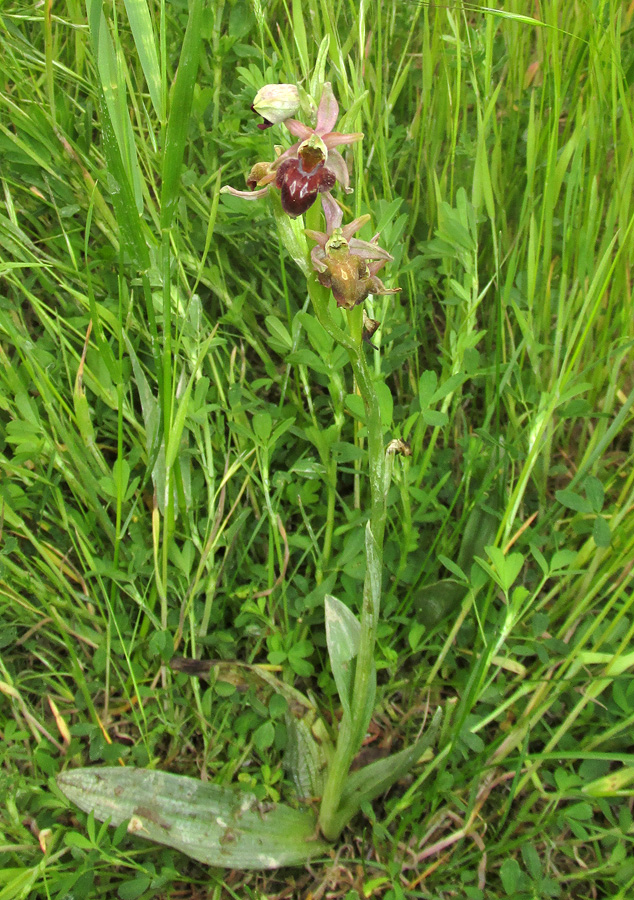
x,y
347,265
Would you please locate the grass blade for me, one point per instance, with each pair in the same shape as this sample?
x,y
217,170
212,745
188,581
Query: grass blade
x,y
180,108
145,42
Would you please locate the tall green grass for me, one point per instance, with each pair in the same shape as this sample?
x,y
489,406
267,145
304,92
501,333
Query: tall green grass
x,y
169,485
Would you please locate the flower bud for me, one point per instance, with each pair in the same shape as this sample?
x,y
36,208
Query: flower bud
x,y
276,103
258,172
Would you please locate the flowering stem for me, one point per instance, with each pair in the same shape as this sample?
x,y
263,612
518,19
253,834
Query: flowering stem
x,y
351,729
351,733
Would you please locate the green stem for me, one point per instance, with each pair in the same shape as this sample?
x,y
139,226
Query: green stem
x,y
351,731
350,737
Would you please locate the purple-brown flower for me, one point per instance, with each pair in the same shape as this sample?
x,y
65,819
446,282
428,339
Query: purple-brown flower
x,y
342,262
310,167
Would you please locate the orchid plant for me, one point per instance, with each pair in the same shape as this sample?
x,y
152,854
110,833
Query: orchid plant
x,y
217,824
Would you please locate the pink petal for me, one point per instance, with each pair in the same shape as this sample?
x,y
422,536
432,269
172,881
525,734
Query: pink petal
x,y
366,250
327,111
377,286
337,164
352,227
334,138
332,212
298,130
317,256
374,267
246,195
318,236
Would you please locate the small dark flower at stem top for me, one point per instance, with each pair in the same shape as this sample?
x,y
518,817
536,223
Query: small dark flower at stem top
x,y
310,167
341,261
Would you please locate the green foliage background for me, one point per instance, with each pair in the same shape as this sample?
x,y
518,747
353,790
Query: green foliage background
x,y
182,449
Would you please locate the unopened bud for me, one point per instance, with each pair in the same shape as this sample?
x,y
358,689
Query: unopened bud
x,y
276,103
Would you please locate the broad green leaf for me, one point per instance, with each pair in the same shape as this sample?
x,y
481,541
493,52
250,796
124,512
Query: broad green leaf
x,y
426,387
279,333
317,334
133,888
511,876
562,559
594,492
306,357
355,404
262,425
217,825
343,632
453,567
507,568
601,532
449,386
574,501
435,417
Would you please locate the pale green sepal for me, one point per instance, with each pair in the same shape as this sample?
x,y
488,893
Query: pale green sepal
x,y
369,782
217,825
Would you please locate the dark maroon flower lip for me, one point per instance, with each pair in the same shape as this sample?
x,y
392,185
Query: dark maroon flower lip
x,y
264,123
300,188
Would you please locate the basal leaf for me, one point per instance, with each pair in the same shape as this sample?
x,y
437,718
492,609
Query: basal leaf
x,y
217,825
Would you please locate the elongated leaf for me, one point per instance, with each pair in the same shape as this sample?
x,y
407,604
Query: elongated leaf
x,y
369,782
342,634
145,42
149,403
113,86
304,759
373,563
217,825
180,109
